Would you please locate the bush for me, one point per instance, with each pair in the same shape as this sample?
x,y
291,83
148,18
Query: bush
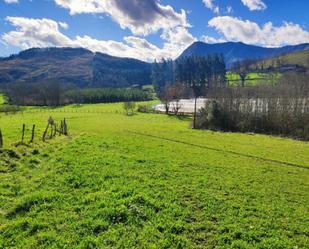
x,y
145,108
9,109
129,107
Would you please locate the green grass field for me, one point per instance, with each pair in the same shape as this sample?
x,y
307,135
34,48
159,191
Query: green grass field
x,y
1,99
254,79
299,58
148,181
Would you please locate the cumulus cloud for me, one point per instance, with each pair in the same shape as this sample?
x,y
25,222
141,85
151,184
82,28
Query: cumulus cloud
x,y
63,25
229,9
210,5
209,39
11,1
235,29
45,33
140,16
35,33
254,4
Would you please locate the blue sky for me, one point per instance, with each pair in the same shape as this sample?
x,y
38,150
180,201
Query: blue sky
x,y
149,29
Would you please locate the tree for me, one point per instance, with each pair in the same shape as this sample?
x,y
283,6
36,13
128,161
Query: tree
x,y
242,68
162,73
200,74
177,92
129,106
166,96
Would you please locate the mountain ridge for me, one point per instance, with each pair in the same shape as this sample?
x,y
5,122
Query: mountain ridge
x,y
84,68
76,66
234,51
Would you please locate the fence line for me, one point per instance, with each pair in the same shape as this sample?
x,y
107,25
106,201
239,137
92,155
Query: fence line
x,y
222,150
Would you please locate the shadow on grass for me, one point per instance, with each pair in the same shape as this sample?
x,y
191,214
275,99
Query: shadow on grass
x,y
181,117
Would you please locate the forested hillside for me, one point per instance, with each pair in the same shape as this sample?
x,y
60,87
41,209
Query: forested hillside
x,y
119,72
83,68
235,51
73,66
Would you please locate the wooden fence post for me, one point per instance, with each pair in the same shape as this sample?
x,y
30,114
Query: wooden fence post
x,y
1,139
55,130
45,132
65,127
32,134
23,134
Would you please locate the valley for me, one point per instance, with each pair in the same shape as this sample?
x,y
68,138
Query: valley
x,y
147,180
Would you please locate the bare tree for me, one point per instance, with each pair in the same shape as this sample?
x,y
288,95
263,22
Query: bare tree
x,y
177,92
166,96
282,109
242,68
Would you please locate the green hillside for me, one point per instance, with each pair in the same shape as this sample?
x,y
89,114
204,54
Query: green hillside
x,y
298,58
1,99
148,181
253,79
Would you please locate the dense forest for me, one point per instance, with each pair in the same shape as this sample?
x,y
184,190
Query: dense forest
x,y
192,71
105,95
117,72
50,93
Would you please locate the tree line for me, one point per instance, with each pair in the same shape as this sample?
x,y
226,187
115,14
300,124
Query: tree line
x,y
282,109
106,95
190,76
208,71
50,93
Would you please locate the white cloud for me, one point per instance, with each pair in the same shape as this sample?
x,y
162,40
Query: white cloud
x,y
45,33
11,1
229,9
63,25
177,40
235,29
210,5
35,33
209,39
141,17
254,4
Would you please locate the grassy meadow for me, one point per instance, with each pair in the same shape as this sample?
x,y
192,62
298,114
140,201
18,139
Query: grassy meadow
x,y
148,181
298,58
253,79
1,99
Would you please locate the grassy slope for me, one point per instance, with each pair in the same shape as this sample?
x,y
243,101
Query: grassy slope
x,y
107,186
254,79
299,58
1,99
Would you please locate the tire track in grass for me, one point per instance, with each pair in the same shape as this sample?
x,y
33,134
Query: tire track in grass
x,y
223,151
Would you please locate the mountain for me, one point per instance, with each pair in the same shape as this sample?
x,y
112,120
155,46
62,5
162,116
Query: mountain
x,y
66,65
234,51
83,68
74,66
118,72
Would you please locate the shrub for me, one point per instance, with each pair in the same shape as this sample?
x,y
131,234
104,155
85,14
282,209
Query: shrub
x,y
9,109
145,108
129,107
